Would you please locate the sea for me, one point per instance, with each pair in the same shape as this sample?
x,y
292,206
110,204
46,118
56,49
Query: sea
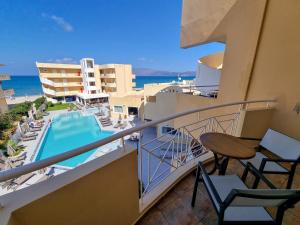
x,y
27,85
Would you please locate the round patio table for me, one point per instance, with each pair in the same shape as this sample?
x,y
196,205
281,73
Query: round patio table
x,y
226,146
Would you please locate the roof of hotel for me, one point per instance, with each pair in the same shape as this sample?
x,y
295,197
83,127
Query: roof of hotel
x,y
75,66
58,65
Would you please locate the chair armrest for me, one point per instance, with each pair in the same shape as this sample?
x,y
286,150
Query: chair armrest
x,y
209,183
282,160
258,174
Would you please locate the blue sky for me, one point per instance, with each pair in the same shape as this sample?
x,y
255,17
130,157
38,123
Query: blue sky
x,y
144,33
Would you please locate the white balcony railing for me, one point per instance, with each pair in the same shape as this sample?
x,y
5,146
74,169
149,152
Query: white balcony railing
x,y
108,75
113,85
163,157
49,91
47,81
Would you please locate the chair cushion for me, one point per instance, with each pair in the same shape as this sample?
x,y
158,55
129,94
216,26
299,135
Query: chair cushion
x,y
223,185
270,166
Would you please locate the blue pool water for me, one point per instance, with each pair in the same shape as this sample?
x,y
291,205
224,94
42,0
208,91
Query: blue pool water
x,y
69,131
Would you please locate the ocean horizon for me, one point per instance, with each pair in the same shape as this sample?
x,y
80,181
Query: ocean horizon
x,y
28,85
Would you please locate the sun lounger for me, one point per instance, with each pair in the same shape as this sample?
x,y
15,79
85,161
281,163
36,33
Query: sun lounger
x,y
117,125
18,163
20,180
29,135
124,125
27,138
34,129
18,158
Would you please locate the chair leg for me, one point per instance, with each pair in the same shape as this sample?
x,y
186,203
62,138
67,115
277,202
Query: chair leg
x,y
196,186
245,174
291,176
256,182
223,166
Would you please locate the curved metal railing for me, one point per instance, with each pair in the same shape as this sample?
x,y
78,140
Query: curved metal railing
x,y
16,172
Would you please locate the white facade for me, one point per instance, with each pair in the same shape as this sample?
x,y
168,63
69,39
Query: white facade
x,y
88,76
208,73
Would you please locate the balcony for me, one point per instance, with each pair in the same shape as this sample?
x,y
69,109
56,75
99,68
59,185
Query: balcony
x,y
60,75
175,207
51,92
163,159
7,93
4,77
108,75
60,84
111,85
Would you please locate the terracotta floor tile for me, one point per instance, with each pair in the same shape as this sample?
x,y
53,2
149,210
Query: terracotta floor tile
x,y
175,208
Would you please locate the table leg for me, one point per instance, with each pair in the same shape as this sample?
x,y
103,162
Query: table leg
x,y
216,165
223,166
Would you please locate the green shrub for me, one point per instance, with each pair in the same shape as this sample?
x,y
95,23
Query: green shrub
x,y
50,104
20,110
39,101
6,121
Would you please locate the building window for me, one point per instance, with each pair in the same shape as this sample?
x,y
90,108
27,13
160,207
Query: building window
x,y
92,83
91,74
151,98
89,64
168,130
93,92
118,109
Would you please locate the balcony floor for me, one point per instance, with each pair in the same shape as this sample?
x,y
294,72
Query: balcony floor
x,y
175,208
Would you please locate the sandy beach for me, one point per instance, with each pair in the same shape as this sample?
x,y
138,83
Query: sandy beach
x,y
20,99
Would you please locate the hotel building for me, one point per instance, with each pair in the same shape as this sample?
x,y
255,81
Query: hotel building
x,y
4,93
87,82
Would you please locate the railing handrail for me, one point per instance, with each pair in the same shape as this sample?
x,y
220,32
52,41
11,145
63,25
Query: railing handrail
x,y
16,172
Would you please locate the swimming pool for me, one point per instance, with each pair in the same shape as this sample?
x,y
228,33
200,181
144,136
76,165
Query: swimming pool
x,y
69,131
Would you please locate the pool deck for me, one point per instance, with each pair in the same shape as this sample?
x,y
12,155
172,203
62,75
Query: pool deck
x,y
32,147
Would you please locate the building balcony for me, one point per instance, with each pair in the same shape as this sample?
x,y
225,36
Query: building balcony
x,y
4,77
7,93
54,93
60,84
90,79
145,172
61,75
108,75
69,84
111,85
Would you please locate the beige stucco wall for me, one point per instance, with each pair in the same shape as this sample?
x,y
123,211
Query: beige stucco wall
x,y
126,101
276,67
254,123
107,196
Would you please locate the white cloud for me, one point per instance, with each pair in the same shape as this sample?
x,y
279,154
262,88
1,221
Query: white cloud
x,y
60,21
143,59
63,60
